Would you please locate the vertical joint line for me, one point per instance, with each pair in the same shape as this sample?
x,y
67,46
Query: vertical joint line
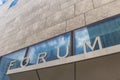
x,y
74,10
93,4
85,18
37,74
65,26
75,71
26,54
72,43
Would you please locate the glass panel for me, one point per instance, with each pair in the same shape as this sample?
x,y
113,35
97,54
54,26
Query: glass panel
x,y
50,47
13,3
5,60
108,31
3,1
80,36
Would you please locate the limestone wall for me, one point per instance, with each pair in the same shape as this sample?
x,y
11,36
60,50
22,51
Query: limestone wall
x,y
32,21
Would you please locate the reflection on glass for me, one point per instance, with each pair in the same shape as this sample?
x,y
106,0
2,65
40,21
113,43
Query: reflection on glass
x,y
50,47
13,3
5,60
3,1
108,31
80,36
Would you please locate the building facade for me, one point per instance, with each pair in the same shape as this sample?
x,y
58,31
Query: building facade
x,y
59,39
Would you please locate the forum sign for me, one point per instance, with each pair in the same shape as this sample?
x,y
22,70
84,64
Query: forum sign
x,y
42,56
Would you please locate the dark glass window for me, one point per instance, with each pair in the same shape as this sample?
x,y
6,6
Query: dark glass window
x,y
5,61
13,3
108,31
50,47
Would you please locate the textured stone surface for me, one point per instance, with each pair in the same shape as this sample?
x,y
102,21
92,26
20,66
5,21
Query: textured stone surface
x,y
103,12
83,6
33,21
68,3
56,30
75,22
98,3
60,16
35,38
46,34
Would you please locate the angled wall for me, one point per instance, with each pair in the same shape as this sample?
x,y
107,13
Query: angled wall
x,y
32,21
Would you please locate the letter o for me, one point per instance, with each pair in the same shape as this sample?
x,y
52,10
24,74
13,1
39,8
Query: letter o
x,y
27,59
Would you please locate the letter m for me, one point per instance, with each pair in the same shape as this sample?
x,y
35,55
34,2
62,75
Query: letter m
x,y
94,44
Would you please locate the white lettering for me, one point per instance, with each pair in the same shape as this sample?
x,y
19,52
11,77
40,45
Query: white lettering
x,y
41,56
11,64
94,44
25,62
58,53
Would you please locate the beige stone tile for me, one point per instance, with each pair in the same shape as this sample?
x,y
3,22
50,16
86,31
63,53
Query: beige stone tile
x,y
60,16
56,30
68,3
75,22
103,12
98,3
83,6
